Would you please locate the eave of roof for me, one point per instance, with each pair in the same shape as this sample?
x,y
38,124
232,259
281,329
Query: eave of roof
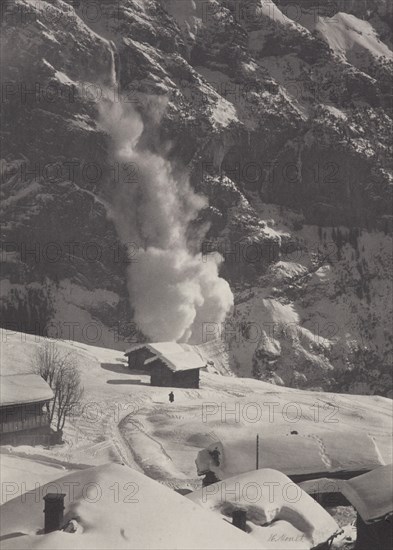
x,y
19,389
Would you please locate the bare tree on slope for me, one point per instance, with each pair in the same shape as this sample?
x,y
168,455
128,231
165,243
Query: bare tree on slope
x,y
60,371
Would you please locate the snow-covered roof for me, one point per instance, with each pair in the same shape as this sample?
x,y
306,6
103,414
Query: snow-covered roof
x,y
140,513
177,357
17,389
277,509
304,454
371,493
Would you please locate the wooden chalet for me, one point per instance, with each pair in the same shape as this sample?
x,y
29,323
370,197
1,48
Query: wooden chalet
x,y
23,400
371,495
169,364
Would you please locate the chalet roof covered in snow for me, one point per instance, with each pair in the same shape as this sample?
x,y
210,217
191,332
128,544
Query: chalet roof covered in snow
x,y
17,389
177,357
304,454
146,515
276,508
371,493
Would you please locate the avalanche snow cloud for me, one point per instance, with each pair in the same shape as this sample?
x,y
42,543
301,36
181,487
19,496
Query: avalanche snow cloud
x,y
172,290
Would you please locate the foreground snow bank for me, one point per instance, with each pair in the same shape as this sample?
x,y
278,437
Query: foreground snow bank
x,y
114,506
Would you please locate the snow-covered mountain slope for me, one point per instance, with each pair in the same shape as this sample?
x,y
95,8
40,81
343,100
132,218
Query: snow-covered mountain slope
x,y
320,316
123,418
281,118
353,39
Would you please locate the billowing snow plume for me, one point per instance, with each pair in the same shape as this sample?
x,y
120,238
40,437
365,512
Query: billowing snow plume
x,y
172,290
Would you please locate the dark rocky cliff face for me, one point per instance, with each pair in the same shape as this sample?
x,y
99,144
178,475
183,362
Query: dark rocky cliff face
x,y
281,119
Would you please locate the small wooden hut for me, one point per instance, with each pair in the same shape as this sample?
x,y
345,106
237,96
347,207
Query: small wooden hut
x,y
169,364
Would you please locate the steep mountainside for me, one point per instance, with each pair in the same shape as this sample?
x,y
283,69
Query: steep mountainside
x,y
280,117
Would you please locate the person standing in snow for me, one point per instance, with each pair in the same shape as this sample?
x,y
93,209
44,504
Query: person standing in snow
x,y
171,397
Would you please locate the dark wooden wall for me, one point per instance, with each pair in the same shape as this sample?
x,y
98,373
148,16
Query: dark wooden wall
x,y
26,416
374,536
161,375
187,378
137,358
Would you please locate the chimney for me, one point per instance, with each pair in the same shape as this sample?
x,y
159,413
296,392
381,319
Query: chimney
x,y
54,506
239,519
